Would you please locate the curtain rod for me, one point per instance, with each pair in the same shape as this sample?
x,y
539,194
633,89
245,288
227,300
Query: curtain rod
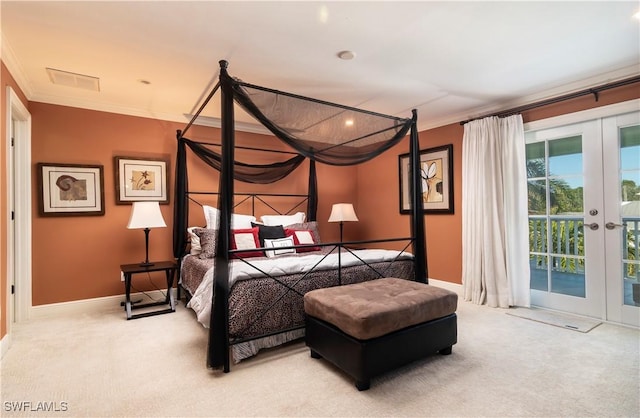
x,y
594,91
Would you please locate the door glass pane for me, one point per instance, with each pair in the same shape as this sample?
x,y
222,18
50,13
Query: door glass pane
x,y
539,271
630,212
566,196
565,156
536,166
567,276
537,191
556,221
565,176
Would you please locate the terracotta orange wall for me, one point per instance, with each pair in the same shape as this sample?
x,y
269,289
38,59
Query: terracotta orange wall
x,y
378,184
78,257
5,80
379,207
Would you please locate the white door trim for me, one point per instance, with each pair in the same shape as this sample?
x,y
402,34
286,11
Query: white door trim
x,y
19,251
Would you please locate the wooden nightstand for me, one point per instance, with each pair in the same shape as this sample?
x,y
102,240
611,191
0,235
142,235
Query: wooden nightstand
x,y
128,270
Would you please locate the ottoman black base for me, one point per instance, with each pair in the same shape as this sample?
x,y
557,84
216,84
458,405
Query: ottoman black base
x,y
364,359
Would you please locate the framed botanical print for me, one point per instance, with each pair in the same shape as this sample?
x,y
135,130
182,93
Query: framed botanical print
x,y
436,170
141,180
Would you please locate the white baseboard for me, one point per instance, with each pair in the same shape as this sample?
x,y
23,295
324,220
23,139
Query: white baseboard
x,y
454,287
5,344
104,304
111,303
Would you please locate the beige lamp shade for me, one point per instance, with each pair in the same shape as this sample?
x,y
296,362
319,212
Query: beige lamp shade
x,y
146,215
343,212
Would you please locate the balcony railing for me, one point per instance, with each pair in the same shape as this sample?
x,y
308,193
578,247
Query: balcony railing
x,y
565,245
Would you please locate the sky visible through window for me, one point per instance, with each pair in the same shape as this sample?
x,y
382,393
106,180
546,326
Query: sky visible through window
x,y
569,167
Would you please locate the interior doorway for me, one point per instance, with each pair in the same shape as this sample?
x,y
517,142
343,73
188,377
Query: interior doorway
x,y
18,140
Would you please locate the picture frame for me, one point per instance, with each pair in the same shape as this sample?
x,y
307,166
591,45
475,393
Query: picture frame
x,y
437,180
141,180
70,189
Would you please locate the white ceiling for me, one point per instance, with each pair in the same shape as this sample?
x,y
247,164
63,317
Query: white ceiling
x,y
450,60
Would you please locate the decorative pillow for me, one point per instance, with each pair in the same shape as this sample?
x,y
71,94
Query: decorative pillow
x,y
194,239
207,238
302,236
245,239
283,220
279,242
211,215
308,226
269,232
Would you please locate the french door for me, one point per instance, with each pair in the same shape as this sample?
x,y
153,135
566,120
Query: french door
x,y
584,217
621,153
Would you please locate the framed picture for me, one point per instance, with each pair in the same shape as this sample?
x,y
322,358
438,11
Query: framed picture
x,y
436,168
70,189
141,180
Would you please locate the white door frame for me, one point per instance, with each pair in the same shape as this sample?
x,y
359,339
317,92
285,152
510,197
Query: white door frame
x,y
580,117
593,303
617,311
19,238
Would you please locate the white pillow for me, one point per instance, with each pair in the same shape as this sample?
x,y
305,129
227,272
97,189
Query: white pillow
x,y
238,221
195,241
211,216
284,220
241,221
279,242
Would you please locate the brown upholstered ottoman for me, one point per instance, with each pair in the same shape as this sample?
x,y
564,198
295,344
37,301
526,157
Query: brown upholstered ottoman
x,y
372,327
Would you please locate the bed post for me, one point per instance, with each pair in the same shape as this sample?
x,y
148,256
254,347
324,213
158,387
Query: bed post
x,y
218,349
180,206
417,212
312,192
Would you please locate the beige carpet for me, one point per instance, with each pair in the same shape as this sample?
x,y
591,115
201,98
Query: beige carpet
x,y
101,365
557,319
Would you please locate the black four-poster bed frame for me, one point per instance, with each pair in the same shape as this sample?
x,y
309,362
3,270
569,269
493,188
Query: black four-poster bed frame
x,y
347,152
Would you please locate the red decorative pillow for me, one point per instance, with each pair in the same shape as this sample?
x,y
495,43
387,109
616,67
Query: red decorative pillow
x,y
302,237
245,239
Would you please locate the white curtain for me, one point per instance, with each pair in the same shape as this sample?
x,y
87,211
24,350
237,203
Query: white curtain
x,y
495,229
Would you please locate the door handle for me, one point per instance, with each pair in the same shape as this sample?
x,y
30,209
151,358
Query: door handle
x,y
611,225
593,226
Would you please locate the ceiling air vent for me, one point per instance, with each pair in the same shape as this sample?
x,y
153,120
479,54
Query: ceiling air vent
x,y
81,81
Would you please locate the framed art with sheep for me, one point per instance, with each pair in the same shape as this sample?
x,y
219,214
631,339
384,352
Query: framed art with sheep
x,y
141,180
70,189
436,170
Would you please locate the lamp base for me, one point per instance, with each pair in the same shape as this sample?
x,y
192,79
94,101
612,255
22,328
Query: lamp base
x,y
146,264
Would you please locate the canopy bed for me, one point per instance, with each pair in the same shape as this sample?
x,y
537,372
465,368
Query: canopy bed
x,y
241,294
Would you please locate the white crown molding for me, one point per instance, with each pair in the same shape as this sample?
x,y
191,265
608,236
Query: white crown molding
x,y
240,126
13,65
121,110
601,79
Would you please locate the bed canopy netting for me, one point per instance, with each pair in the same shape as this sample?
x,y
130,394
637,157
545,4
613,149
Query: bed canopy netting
x,y
317,130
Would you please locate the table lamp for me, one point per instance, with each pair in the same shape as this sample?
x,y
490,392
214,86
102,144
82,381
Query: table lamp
x,y
342,212
146,215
